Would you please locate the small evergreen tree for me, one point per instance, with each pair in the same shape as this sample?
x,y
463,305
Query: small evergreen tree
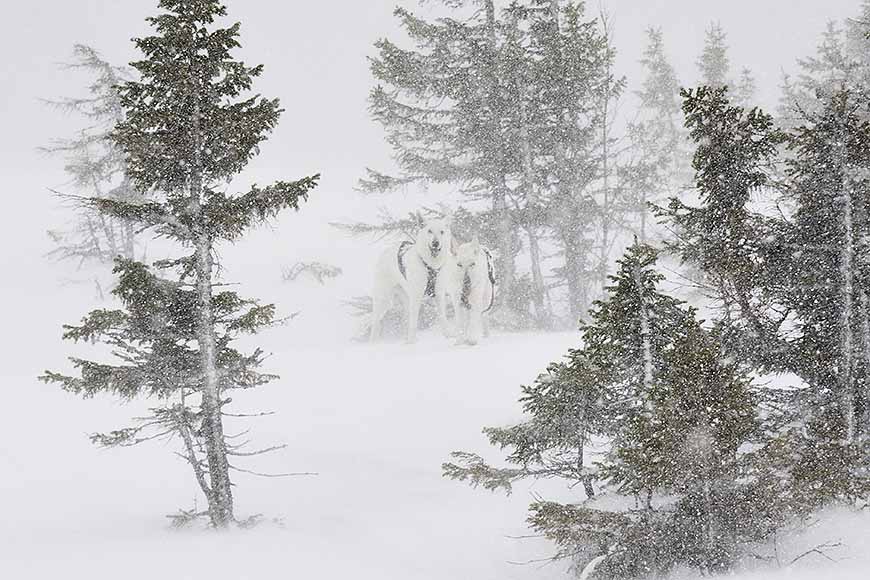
x,y
188,129
746,91
713,63
829,69
700,411
651,382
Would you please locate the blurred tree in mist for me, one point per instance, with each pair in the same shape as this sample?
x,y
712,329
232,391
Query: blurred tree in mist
x,y
746,90
515,108
714,64
660,156
96,166
829,69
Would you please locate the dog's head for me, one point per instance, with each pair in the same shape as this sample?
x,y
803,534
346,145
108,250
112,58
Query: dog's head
x,y
435,237
468,255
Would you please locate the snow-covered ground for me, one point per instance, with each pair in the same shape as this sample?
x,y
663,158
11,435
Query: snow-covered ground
x,y
375,422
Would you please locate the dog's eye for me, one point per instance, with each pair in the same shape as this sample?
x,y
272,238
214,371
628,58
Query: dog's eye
x,y
442,232
458,264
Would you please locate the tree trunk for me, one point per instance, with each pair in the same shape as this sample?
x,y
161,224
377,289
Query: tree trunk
x,y
643,210
573,271
539,292
532,203
604,250
129,230
504,234
605,211
847,382
129,241
221,499
645,339
581,465
504,229
864,395
185,429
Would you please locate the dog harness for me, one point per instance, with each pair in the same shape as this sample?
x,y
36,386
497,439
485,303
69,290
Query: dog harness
x,y
432,272
466,284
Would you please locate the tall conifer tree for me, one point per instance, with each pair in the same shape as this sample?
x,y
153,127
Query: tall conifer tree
x,y
189,128
829,69
793,287
735,157
830,174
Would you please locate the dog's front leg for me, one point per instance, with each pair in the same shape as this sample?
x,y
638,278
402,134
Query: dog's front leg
x,y
414,303
475,326
441,300
461,324
380,304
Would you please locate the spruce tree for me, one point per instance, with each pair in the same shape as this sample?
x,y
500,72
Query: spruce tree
x,y
828,291
790,287
700,412
571,91
745,93
735,156
658,137
830,69
591,394
713,63
651,383
189,127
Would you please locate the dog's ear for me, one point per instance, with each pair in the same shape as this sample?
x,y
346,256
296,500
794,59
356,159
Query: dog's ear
x,y
448,218
475,243
453,246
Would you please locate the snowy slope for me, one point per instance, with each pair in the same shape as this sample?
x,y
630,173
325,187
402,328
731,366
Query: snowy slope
x,y
375,423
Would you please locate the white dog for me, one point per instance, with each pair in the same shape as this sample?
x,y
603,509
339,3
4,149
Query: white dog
x,y
412,268
469,281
